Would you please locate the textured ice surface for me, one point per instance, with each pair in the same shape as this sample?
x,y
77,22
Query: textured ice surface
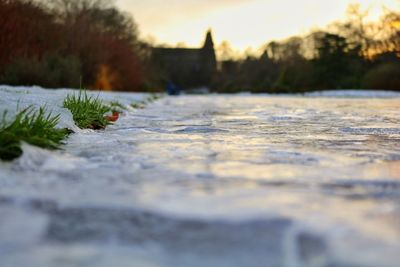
x,y
213,180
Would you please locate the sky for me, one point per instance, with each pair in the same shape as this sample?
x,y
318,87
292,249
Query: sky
x,y
243,23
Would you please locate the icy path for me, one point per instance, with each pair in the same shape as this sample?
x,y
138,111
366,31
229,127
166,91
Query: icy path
x,y
193,181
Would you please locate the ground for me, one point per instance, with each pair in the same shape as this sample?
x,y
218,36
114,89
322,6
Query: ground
x,y
211,180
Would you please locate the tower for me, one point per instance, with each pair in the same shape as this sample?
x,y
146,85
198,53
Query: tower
x,y
208,59
209,43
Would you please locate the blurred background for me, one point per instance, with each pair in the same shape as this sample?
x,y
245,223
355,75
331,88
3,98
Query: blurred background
x,y
225,46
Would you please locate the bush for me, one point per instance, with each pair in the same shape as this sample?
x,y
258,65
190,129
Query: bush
x,y
52,71
54,43
27,30
384,76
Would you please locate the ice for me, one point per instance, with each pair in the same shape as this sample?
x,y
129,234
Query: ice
x,y
215,180
355,93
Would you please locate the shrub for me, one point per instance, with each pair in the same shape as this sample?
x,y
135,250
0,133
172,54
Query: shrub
x,y
384,76
86,38
27,30
52,71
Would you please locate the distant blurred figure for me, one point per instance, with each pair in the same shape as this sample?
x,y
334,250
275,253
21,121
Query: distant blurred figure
x,y
173,89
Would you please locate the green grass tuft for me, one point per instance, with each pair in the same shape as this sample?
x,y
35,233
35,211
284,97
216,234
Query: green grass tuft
x,y
33,127
138,105
154,97
117,106
87,112
142,104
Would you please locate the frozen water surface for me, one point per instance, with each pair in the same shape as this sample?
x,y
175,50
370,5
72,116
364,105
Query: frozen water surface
x,y
246,181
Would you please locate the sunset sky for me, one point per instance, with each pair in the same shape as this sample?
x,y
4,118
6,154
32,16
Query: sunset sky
x,y
244,23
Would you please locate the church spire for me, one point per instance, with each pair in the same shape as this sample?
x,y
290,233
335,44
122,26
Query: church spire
x,y
209,43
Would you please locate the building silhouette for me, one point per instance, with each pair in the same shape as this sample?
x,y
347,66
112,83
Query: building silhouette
x,y
187,67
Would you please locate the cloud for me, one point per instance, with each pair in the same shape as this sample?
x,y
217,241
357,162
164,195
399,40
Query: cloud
x,y
242,22
155,13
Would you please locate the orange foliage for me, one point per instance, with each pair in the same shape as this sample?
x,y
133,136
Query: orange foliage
x,y
104,79
123,60
120,68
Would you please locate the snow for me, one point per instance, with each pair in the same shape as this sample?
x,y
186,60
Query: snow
x,y
14,99
211,180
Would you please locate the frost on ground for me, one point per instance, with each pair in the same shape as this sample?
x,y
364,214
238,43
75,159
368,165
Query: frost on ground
x,y
210,181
